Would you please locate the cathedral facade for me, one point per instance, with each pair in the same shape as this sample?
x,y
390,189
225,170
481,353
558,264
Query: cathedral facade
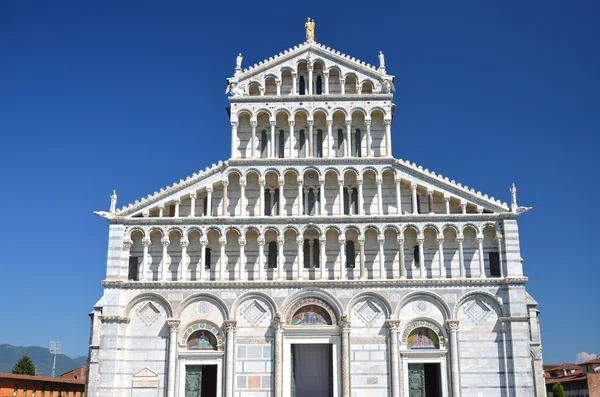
x,y
312,263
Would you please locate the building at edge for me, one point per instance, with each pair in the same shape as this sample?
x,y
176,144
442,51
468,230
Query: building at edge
x,y
312,263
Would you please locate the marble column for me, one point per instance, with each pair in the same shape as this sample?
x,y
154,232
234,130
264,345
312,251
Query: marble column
x,y
291,123
306,209
261,258
363,270
401,256
294,83
125,254
341,196
447,203
300,247
193,197
311,254
234,126
281,181
278,84
209,190
145,268
242,196
310,147
330,149
161,210
345,328
177,203
369,149
413,190
322,257
461,256
342,85
202,265
499,243
272,203
463,207
388,138
361,205
261,183
272,142
398,196
381,242
280,258
182,271
430,201
278,325
452,326
164,267
394,329
231,328
348,140
440,241
379,182
343,269
242,262
300,204
479,240
225,209
326,76
421,241
310,79
222,264
253,139
322,196
173,331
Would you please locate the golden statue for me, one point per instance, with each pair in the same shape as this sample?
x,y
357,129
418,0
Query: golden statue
x,y
310,30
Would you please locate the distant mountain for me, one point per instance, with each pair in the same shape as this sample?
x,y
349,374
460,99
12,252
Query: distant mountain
x,y
41,358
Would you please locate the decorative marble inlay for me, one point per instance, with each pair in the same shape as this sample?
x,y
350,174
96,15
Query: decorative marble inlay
x,y
149,313
203,308
368,312
478,311
421,308
254,312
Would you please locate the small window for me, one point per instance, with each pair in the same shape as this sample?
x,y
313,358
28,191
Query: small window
x,y
172,210
205,205
340,142
264,142
207,259
319,87
418,204
317,254
311,202
350,255
355,200
357,148
272,260
494,264
268,204
346,202
302,144
133,270
417,255
281,144
319,143
306,250
302,86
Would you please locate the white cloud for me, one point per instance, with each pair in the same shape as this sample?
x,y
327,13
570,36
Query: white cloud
x,y
583,357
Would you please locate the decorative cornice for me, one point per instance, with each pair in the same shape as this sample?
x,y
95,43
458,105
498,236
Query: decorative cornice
x,y
114,319
257,284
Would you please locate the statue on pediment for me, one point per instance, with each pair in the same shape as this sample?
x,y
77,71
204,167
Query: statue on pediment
x,y
238,61
381,60
513,198
310,30
113,201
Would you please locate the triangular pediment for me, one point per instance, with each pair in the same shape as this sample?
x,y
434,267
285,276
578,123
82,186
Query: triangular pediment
x,y
145,373
312,52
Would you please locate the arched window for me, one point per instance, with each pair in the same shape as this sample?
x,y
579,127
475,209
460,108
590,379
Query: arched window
x,y
340,142
416,255
302,87
357,148
319,87
418,203
268,203
350,255
272,259
346,202
319,143
202,340
264,144
205,205
207,259
423,338
311,315
281,143
302,144
306,252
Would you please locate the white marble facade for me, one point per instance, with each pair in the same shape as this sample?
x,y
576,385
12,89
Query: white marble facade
x,y
413,274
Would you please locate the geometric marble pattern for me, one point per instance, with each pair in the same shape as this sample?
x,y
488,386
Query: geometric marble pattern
x,y
254,312
478,311
148,313
368,312
203,308
421,308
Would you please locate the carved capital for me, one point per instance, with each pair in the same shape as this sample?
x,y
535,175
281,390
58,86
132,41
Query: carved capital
x,y
273,123
277,322
173,325
381,239
446,198
430,192
420,239
322,241
379,180
253,123
299,241
177,200
341,183
184,242
161,206
281,180
499,237
400,240
222,241
310,123
345,324
329,122
460,238
300,183
145,213
243,182
209,189
361,240
440,240
203,241
359,181
342,240
241,241
280,240
291,123
413,186
261,240
234,124
146,241
348,123
368,123
325,73
261,181
393,325
225,182
452,325
127,243
230,325
387,122
479,238
193,195
165,241
278,82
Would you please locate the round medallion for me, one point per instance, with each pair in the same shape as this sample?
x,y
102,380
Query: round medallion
x,y
421,307
311,175
203,308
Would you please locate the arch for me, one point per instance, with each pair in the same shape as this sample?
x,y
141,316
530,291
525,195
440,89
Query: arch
x,y
202,325
470,225
215,229
272,228
312,226
339,109
251,170
284,111
443,306
309,169
359,109
373,295
335,67
271,169
255,82
136,229
493,225
325,296
465,297
424,322
192,229
270,74
291,227
153,229
251,228
353,169
451,226
373,227
244,111
392,227
171,229
233,171
388,168
263,297
334,227
332,169
292,170
234,228
302,110
353,227
365,169
319,109
152,296
411,226
376,109
351,74
320,60
264,110
218,302
431,226
286,67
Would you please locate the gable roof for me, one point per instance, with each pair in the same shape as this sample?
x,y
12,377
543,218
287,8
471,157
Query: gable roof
x,y
318,49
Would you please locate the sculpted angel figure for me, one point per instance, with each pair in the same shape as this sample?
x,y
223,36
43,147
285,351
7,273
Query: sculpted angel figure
x,y
310,29
113,201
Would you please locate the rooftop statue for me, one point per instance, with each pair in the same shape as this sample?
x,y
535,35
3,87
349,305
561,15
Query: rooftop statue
x,y
381,60
113,201
238,61
310,30
513,198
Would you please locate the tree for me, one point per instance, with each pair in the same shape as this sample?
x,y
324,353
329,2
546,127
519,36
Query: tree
x,y
24,367
558,390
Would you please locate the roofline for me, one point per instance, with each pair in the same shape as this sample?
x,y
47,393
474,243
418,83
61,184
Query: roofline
x,y
42,379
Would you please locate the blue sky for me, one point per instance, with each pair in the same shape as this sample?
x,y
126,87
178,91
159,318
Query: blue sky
x,y
96,96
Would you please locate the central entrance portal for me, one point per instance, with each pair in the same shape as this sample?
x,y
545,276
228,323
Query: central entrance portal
x,y
424,380
200,381
312,370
